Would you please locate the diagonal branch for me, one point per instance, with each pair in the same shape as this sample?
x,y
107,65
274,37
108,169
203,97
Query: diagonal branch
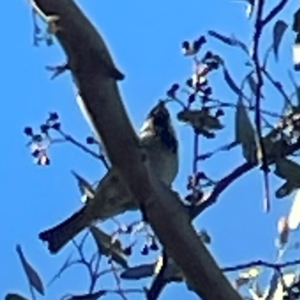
x,y
226,181
95,75
274,12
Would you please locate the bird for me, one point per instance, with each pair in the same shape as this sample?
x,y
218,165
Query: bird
x,y
112,197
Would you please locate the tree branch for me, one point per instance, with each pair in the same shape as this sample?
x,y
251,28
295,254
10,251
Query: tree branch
x,y
90,61
235,174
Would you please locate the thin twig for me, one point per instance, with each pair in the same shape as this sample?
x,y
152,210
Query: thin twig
x,y
82,260
226,181
261,263
84,148
257,117
278,86
32,292
118,281
274,12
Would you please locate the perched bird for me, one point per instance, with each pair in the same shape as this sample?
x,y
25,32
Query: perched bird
x,y
112,196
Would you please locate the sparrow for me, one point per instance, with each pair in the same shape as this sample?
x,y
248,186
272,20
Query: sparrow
x,y
112,196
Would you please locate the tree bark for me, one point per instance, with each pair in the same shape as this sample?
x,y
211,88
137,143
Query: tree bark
x,y
85,50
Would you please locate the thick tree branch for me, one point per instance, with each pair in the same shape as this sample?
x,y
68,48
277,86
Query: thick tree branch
x,y
89,61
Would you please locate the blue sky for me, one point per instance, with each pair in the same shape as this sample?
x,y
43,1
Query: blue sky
x,y
145,39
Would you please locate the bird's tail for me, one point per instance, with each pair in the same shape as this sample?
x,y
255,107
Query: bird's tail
x,y
57,237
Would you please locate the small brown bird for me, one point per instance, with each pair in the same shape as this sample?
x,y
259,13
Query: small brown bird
x,y
112,196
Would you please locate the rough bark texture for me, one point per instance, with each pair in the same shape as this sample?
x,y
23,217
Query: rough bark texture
x,y
89,60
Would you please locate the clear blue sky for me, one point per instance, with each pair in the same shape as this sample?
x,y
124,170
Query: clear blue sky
x,y
145,39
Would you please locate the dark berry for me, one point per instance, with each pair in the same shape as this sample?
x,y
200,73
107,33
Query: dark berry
x,y
198,43
44,128
35,153
175,87
189,82
37,138
219,113
207,91
202,40
128,251
56,126
171,92
213,65
153,246
28,131
186,45
53,116
208,55
192,98
90,140
145,250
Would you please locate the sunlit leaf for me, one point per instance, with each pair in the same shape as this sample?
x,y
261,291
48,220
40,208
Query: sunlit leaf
x,y
251,273
12,296
256,291
296,53
250,8
245,133
109,247
32,276
296,47
278,31
288,280
294,215
273,285
139,272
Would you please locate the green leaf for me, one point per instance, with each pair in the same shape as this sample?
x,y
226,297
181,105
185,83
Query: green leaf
x,y
201,120
288,169
252,84
230,82
288,279
90,296
12,296
109,247
286,189
232,41
32,276
245,133
278,31
139,272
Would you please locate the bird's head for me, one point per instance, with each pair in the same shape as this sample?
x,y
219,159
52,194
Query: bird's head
x,y
159,125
